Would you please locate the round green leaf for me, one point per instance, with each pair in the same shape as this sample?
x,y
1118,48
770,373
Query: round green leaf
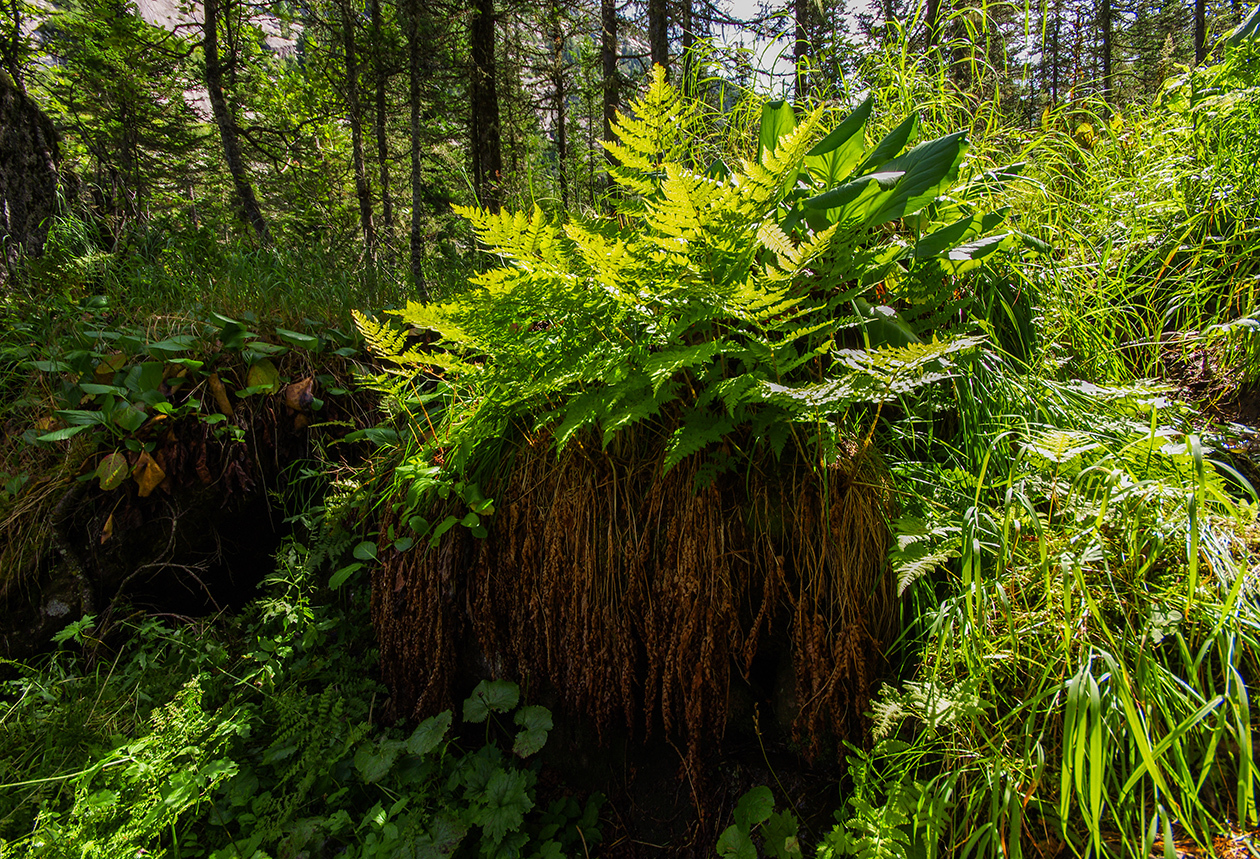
x,y
263,374
112,471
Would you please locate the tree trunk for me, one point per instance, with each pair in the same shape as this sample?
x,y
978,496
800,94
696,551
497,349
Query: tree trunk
x,y
1200,32
414,50
361,189
487,149
658,33
382,146
227,126
931,17
1057,25
608,51
801,47
687,20
1104,13
29,152
559,94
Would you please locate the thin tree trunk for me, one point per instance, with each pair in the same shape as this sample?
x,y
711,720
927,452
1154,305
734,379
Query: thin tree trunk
x,y
487,148
414,49
931,16
1054,52
560,95
227,125
361,189
382,146
658,33
1105,15
608,50
687,20
1200,32
801,47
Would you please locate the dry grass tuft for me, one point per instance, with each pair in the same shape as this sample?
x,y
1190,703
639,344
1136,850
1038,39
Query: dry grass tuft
x,y
636,596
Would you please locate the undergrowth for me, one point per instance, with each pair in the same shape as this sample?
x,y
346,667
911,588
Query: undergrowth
x,y
255,736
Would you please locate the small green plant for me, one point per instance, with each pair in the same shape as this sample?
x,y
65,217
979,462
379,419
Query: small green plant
x,y
754,813
259,740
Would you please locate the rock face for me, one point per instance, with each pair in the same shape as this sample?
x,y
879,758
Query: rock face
x,y
28,174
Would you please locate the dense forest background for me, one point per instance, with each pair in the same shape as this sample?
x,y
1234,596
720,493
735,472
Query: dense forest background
x,y
354,127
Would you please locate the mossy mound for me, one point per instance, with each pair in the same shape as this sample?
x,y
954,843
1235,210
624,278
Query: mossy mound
x,y
639,598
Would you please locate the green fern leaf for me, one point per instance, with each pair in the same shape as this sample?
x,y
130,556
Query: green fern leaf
x,y
661,366
699,429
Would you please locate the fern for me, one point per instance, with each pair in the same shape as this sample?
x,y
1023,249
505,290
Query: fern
x,y
700,428
710,306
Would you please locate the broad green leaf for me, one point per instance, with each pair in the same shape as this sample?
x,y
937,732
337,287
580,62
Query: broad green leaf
x,y
836,154
374,761
926,169
735,843
780,834
891,145
428,734
112,471
490,696
957,233
777,119
535,722
506,802
365,551
754,807
62,434
294,338
263,374
173,345
1247,31
128,417
339,578
99,390
145,377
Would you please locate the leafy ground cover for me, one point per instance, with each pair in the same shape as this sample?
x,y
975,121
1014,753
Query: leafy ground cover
x,y
1060,422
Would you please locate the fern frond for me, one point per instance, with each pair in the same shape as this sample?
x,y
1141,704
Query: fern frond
x,y
435,317
660,366
699,429
382,338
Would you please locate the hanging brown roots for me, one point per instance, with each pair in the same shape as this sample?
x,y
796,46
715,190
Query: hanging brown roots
x,y
635,595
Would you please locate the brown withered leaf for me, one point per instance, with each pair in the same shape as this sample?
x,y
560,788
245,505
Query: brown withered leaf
x,y
108,530
220,395
147,473
108,366
299,395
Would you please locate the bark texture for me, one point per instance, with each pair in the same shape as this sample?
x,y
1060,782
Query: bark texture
x,y
29,154
227,126
382,145
355,115
608,51
487,147
415,72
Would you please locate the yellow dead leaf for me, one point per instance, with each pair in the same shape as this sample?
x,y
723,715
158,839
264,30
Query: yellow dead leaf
x,y
108,530
220,395
148,474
